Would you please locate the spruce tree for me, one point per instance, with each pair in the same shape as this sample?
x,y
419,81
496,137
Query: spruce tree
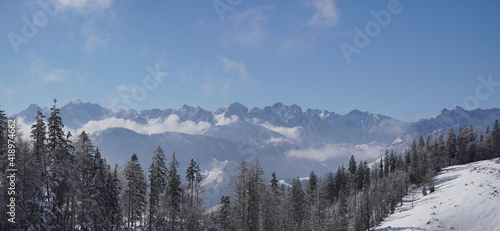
x,y
496,139
393,161
61,167
191,179
329,189
451,147
134,195
38,136
296,198
157,185
38,207
386,163
112,212
224,214
352,165
84,154
98,192
173,195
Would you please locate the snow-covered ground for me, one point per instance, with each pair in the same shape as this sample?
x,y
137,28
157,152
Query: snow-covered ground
x,y
467,197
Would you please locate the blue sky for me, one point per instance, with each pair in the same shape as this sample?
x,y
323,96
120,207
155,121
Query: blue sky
x,y
427,56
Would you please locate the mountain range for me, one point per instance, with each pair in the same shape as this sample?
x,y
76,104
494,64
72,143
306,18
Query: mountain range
x,y
283,138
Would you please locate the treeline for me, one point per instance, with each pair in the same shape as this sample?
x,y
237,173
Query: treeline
x,y
64,183
355,198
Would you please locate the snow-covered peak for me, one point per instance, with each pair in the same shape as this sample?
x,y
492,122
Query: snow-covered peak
x,y
76,101
235,108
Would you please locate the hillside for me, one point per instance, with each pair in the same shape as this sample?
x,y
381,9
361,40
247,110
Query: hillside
x,y
467,197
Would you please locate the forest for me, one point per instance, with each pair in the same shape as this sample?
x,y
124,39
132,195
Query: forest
x,y
63,183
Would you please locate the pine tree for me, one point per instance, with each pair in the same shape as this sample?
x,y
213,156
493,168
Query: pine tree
x,y
296,198
61,166
112,212
84,154
191,179
248,186
256,187
38,135
329,189
274,182
352,165
362,213
38,210
340,181
495,134
440,158
414,164
381,169
134,192
386,163
360,176
173,195
341,221
224,214
393,161
311,189
270,206
158,182
98,192
451,147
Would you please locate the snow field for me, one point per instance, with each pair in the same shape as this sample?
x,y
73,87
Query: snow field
x,y
467,197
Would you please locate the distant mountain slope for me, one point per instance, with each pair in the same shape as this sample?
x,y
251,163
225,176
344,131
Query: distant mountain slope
x,y
481,118
467,197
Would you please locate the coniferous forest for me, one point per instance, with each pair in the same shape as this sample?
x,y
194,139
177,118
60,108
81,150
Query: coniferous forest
x,y
62,182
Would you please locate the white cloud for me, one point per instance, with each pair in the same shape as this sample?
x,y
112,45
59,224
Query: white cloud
x,y
328,151
248,27
293,44
208,88
124,88
42,75
340,152
327,15
93,41
84,7
24,128
154,77
239,67
96,30
222,120
169,124
187,74
99,19
292,133
237,77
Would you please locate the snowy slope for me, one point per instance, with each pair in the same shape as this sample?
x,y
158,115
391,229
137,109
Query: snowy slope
x,y
467,197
